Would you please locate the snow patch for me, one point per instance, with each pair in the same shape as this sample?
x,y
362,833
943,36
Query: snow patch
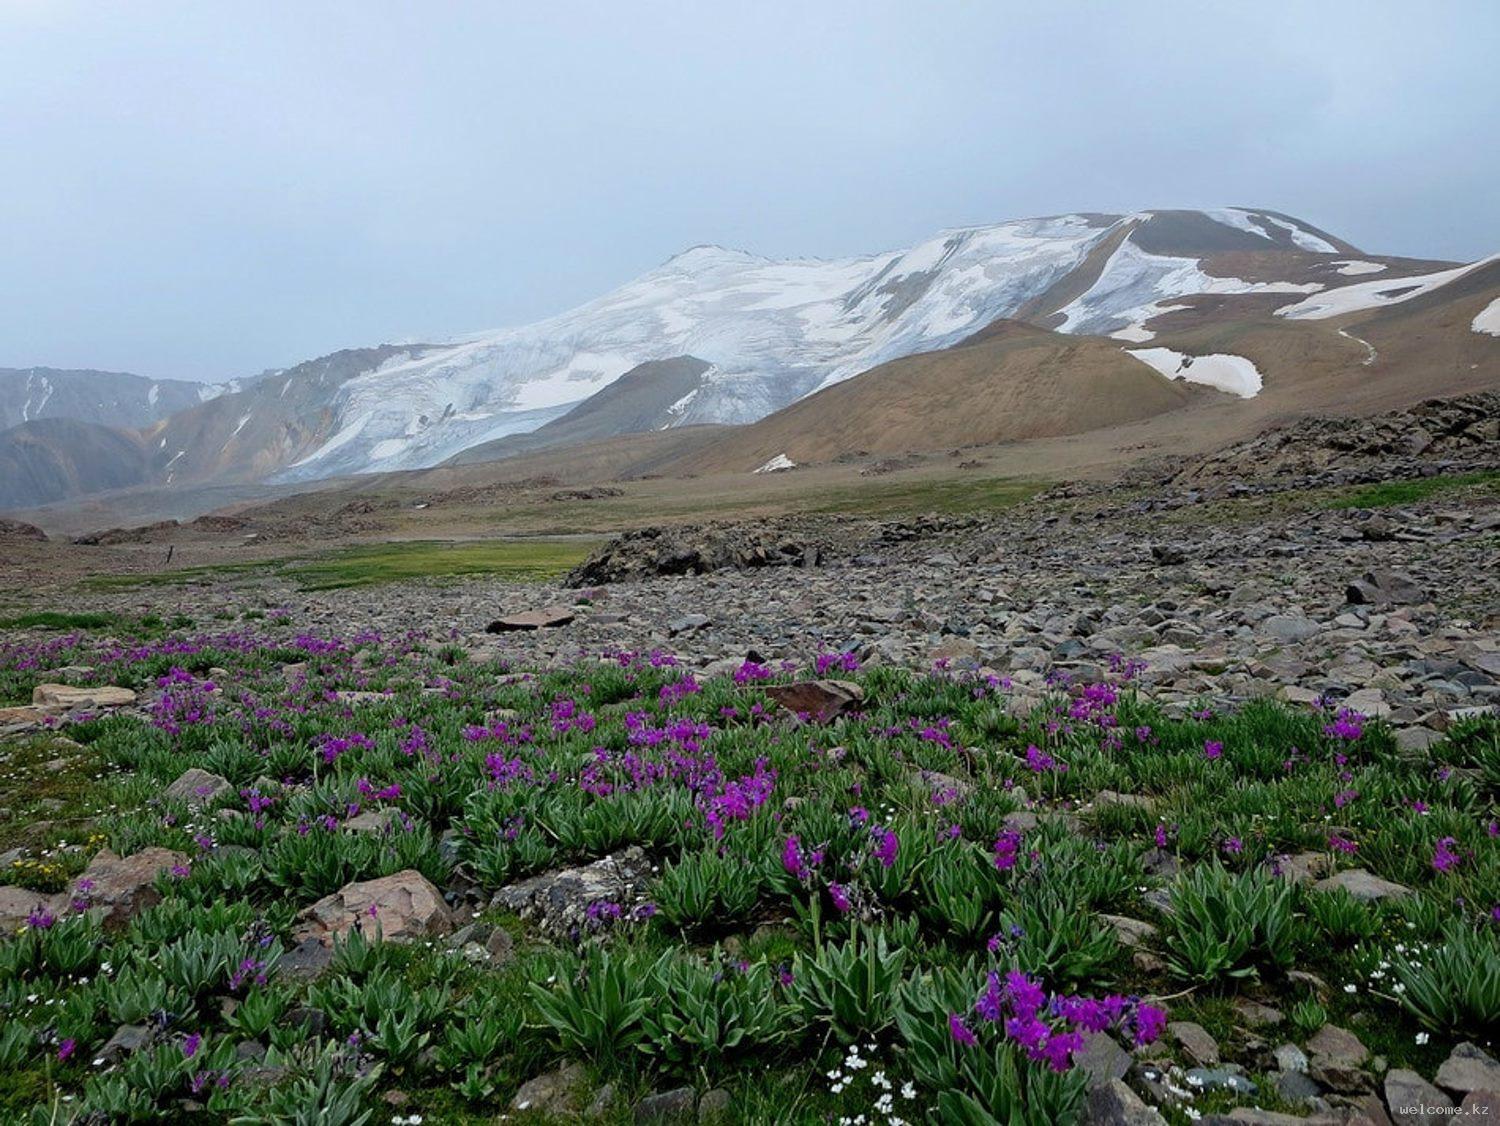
x,y
1370,354
1488,320
777,464
1303,238
1234,374
1373,294
1352,267
240,425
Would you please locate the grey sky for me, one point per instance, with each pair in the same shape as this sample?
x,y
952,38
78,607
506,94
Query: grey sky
x,y
207,189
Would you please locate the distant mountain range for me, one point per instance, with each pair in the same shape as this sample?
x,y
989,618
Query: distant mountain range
x,y
1025,328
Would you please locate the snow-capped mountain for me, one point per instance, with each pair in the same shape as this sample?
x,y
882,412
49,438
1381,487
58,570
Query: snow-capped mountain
x,y
748,335
776,330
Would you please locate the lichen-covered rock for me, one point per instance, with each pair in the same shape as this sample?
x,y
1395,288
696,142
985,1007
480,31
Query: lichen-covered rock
x,y
559,901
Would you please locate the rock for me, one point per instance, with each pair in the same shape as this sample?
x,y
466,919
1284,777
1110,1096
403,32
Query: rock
x,y
601,1103
1384,588
1478,1104
305,961
558,901
1106,798
677,1105
372,821
18,905
1130,932
1297,1086
1254,1116
1290,627
67,697
1334,1043
1219,1079
1102,1059
1256,1015
198,788
1410,1098
312,1021
549,617
1417,738
688,623
1114,1104
553,1092
125,886
127,1040
401,906
820,700
715,1108
25,716
1289,1057
1363,885
1467,1069
1195,1041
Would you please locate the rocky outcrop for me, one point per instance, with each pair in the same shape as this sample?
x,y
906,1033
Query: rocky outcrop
x,y
559,901
698,550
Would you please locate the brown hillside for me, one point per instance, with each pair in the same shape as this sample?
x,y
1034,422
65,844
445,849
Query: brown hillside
x,y
1008,383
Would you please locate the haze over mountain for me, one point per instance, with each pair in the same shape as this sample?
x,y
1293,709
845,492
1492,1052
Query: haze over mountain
x,y
1099,306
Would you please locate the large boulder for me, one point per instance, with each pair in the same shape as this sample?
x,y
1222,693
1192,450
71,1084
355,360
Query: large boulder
x,y
123,886
403,906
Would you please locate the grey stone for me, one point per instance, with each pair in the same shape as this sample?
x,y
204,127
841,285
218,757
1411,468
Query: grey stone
x,y
1363,885
677,1105
1409,1098
1102,1058
1115,1104
554,1092
1468,1068
1195,1041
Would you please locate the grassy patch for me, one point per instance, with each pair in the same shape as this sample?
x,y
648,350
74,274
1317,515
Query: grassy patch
x,y
52,619
1390,493
911,497
524,560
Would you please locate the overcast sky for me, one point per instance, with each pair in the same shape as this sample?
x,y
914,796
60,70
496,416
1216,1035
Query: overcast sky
x,y
208,189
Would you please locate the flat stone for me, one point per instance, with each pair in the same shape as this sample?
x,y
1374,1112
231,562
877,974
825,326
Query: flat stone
x,y
305,961
1467,1069
1363,885
821,701
69,697
1257,1015
1334,1043
401,906
1219,1079
1410,1098
198,788
1290,627
1195,1041
126,1041
372,821
549,617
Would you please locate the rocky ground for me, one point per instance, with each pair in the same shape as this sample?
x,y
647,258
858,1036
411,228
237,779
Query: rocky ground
x,y
1395,610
